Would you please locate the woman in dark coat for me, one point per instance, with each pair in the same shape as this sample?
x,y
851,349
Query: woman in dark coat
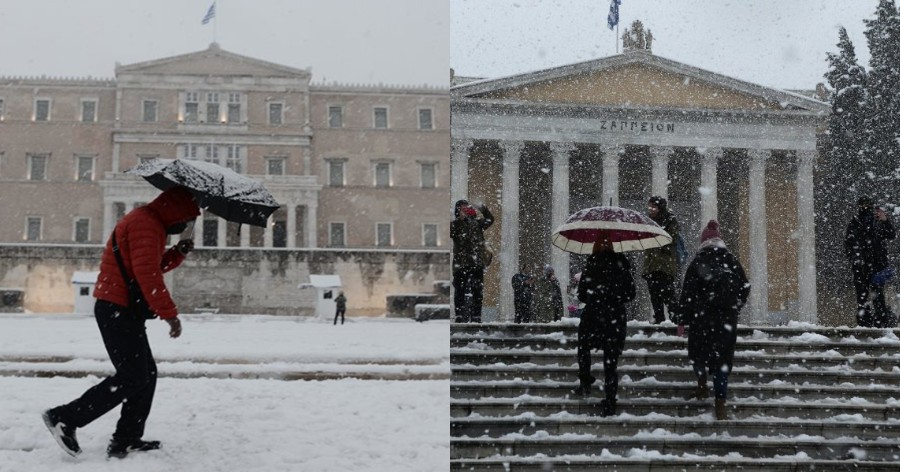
x,y
715,288
606,286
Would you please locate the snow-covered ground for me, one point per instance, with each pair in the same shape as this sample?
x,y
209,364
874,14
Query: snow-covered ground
x,y
221,403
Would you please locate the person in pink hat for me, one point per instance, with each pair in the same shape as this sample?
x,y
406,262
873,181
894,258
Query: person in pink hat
x,y
714,291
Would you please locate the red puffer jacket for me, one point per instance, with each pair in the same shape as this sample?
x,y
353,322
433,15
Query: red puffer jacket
x,y
141,236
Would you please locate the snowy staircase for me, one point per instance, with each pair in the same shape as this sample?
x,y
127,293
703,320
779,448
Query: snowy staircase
x,y
800,398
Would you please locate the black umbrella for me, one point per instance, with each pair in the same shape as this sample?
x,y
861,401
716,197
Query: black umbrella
x,y
217,189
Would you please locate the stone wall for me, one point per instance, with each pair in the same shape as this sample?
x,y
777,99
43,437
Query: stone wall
x,y
235,280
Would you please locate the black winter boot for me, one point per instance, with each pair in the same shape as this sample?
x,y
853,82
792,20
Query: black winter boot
x,y
608,407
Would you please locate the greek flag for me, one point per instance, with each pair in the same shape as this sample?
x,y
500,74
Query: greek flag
x,y
613,18
211,13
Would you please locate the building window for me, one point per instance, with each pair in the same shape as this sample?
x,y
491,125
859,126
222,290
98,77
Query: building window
x,y
425,119
189,151
33,228
149,111
82,230
142,158
234,158
85,168
429,174
430,235
381,117
212,107
212,154
276,113
335,173
336,235
37,166
234,108
279,233
382,174
210,232
2,109
275,166
383,234
89,111
191,107
42,109
335,117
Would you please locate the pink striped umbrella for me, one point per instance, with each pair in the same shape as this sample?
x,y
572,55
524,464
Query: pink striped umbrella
x,y
629,230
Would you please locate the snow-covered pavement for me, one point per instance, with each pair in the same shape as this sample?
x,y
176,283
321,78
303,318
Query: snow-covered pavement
x,y
210,422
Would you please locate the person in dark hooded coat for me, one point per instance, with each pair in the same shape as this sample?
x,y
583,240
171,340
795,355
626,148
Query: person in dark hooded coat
x,y
715,288
606,285
469,259
866,249
141,237
661,263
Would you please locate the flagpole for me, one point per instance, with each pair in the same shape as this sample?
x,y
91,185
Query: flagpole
x,y
215,22
617,37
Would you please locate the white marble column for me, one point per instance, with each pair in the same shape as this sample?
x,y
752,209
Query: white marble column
x,y
709,206
659,180
291,226
117,148
559,259
198,231
509,226
222,232
459,169
759,255
109,219
806,254
268,233
244,235
610,191
311,227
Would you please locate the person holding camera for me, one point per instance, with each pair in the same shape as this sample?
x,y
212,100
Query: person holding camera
x,y
470,257
136,248
865,245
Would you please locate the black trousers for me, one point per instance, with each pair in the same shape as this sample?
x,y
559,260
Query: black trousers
x,y
661,288
602,328
134,382
468,285
339,312
524,312
867,315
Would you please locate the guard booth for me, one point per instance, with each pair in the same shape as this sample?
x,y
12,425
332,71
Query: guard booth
x,y
327,288
83,285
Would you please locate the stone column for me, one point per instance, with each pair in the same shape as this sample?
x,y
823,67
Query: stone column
x,y
759,256
268,233
459,169
709,207
509,226
659,181
311,227
198,231
806,254
291,226
559,259
244,236
117,149
109,217
611,156
222,233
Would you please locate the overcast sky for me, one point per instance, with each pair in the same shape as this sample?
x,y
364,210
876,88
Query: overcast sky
x,y
777,43
361,41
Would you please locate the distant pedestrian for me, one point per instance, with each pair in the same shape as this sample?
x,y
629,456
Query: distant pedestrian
x,y
661,263
606,286
470,258
865,245
135,253
715,288
548,299
523,295
341,307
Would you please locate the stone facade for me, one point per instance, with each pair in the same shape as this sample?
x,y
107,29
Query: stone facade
x,y
354,166
242,281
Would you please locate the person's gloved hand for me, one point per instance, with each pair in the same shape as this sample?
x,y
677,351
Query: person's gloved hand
x,y
174,327
185,246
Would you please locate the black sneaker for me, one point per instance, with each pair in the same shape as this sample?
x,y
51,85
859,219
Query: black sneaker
x,y
121,448
62,433
582,390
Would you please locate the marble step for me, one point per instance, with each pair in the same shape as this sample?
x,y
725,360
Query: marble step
x,y
657,463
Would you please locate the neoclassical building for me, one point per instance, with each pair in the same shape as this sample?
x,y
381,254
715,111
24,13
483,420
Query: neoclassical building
x,y
353,165
540,145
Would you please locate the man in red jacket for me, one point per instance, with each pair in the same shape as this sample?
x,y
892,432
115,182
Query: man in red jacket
x,y
141,236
